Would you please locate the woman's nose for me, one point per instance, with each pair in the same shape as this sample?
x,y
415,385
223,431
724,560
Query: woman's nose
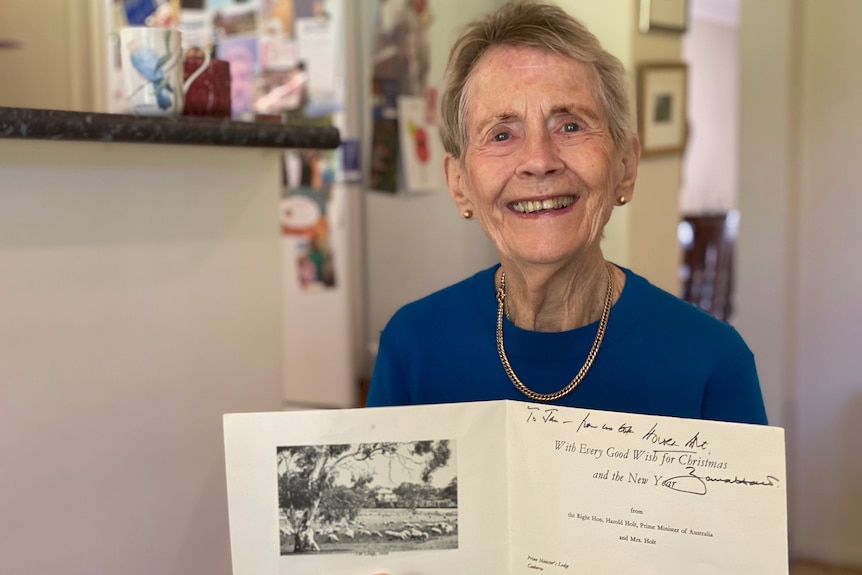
x,y
540,156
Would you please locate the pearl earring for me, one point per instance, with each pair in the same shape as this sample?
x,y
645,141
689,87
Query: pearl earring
x,y
467,214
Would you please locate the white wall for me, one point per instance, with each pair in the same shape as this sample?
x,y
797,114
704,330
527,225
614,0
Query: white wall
x,y
709,169
799,270
139,298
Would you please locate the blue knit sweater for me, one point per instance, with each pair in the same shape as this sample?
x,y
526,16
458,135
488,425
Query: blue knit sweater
x,y
660,356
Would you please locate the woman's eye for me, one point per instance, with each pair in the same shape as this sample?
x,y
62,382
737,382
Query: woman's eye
x,y
571,127
501,136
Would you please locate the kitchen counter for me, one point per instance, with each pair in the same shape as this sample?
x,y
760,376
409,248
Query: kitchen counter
x,y
140,300
28,123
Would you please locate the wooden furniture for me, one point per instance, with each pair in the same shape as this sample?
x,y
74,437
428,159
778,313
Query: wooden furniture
x,y
707,269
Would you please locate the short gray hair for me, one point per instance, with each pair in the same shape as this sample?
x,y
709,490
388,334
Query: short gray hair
x,y
538,25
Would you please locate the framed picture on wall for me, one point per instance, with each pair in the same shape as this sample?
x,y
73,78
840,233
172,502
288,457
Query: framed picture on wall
x,y
663,15
662,108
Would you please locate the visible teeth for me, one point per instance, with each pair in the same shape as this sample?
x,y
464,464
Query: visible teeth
x,y
533,206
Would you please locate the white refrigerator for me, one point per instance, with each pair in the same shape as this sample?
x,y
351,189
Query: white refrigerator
x,y
323,323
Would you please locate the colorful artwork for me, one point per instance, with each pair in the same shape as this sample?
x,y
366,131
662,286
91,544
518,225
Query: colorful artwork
x,y
310,9
152,64
402,48
138,11
384,156
401,62
304,216
236,19
421,148
218,4
241,52
282,90
277,17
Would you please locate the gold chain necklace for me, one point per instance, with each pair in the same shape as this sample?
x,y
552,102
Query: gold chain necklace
x,y
588,363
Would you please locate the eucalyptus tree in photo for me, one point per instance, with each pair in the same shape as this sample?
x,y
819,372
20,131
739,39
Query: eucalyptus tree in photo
x,y
320,485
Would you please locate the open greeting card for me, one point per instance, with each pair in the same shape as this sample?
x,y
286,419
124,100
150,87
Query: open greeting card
x,y
502,487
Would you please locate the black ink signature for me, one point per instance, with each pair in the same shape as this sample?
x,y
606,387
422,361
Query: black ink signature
x,y
584,424
536,414
656,439
770,481
690,483
696,485
549,415
624,428
696,442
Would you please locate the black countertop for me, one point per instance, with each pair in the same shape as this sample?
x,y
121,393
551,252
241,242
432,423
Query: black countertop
x,y
33,124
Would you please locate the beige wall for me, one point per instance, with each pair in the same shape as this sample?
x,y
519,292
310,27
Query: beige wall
x,y
654,250
798,270
139,298
829,391
57,65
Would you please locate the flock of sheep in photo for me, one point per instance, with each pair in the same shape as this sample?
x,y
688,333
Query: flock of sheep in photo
x,y
382,529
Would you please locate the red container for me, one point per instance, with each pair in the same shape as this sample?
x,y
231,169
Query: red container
x,y
209,94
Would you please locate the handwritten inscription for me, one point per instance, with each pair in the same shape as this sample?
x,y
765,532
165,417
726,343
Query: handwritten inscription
x,y
544,415
694,484
654,436
667,449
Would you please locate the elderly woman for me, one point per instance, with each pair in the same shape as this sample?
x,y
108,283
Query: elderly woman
x,y
540,149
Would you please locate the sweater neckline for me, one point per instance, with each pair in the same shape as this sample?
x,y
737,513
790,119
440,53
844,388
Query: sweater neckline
x,y
564,345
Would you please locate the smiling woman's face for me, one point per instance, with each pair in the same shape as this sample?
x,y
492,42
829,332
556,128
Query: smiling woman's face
x,y
540,171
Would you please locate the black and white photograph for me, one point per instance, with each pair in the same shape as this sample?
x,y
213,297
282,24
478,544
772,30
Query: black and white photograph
x,y
367,498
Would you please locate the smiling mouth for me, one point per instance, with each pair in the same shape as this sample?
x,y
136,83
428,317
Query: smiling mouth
x,y
549,205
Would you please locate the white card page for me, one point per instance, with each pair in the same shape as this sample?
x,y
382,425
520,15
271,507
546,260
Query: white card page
x,y
471,537
604,492
502,487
